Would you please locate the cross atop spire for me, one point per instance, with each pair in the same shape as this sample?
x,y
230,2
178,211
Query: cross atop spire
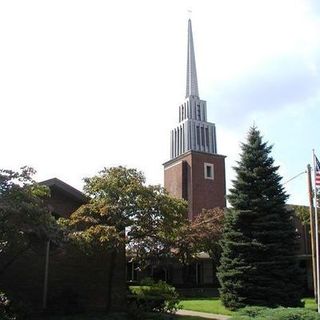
x,y
192,82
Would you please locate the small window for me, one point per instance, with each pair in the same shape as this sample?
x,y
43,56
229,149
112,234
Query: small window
x,y
208,171
198,112
202,136
207,137
198,136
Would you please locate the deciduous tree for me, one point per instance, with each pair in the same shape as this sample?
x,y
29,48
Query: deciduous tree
x,y
24,217
202,235
124,211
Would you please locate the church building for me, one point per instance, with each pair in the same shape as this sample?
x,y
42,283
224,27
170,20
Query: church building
x,y
195,171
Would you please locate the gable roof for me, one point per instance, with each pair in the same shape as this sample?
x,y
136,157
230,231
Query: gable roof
x,y
66,188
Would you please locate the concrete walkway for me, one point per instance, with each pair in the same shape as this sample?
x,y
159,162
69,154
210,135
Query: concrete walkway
x,y
204,315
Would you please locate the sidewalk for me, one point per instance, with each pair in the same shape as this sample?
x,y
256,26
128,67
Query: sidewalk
x,y
202,315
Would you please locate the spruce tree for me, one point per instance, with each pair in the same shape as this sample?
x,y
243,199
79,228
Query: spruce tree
x,y
258,264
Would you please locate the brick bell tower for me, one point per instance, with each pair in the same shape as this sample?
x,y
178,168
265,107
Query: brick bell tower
x,y
195,171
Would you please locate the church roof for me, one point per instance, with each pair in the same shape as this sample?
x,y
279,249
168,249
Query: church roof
x,y
66,188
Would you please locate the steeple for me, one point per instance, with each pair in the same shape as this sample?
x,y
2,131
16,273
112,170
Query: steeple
x,y
192,82
195,171
193,132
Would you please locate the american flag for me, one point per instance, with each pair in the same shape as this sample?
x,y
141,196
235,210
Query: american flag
x,y
317,172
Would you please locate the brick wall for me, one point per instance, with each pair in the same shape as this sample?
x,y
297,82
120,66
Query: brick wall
x,y
207,193
173,178
184,178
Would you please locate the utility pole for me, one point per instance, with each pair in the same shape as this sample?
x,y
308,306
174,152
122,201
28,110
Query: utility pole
x,y
45,282
312,222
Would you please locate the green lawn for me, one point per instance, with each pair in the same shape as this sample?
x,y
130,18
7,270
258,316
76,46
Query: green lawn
x,y
214,305
210,305
187,318
310,303
104,317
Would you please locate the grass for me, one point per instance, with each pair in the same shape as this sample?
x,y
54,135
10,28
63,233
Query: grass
x,y
209,305
187,318
310,303
214,305
105,317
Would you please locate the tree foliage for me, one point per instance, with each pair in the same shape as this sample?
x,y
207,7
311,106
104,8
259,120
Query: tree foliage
x,y
200,235
207,228
303,214
124,211
24,218
154,227
258,265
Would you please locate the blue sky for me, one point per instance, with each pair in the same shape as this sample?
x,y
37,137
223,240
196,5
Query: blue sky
x,y
88,84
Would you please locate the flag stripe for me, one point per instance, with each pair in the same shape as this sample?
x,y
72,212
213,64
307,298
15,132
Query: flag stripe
x,y
317,171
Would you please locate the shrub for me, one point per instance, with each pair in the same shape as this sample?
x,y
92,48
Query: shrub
x,y
6,312
147,282
154,297
260,313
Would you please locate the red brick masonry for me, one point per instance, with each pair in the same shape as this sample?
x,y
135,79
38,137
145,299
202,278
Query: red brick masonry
x,y
184,177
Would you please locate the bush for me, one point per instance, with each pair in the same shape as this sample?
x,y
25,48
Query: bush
x,y
6,312
147,282
153,297
260,313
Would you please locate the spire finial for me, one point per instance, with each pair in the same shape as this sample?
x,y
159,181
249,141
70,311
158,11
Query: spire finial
x,y
192,82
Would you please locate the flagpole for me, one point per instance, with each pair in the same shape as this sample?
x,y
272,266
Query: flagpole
x,y
313,251
316,230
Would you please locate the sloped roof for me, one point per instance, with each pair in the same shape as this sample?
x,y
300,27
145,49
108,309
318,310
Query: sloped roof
x,y
66,188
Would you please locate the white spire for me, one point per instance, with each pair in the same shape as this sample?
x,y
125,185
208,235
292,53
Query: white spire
x,y
193,132
192,82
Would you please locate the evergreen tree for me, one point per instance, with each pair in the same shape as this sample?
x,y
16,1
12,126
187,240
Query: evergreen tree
x,y
258,264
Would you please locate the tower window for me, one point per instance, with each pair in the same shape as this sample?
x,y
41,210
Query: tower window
x,y
198,135
207,137
198,112
208,171
202,136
